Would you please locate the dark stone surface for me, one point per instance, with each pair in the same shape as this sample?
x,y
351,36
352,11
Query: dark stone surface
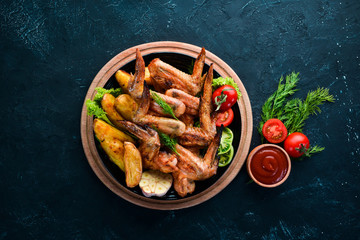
x,y
50,52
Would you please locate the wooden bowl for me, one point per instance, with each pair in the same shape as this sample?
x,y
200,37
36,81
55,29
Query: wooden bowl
x,y
250,158
179,55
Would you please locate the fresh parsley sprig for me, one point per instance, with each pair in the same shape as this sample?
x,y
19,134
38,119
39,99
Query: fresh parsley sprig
x,y
166,107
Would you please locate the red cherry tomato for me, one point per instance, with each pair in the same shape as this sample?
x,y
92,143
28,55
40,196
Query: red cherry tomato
x,y
296,144
224,97
224,118
274,131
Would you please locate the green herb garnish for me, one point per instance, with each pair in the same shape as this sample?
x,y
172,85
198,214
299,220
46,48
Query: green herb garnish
x,y
297,111
167,141
101,91
93,107
220,81
294,112
313,150
274,105
166,107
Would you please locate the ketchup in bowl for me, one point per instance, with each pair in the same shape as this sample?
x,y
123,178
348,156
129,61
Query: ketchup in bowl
x,y
268,165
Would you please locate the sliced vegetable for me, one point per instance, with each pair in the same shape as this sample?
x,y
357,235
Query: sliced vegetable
x,y
155,183
133,165
226,141
218,82
296,144
107,103
123,77
224,118
126,106
93,107
274,131
225,159
224,97
112,141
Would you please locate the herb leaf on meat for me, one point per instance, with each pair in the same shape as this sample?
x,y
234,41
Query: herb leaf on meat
x,y
166,107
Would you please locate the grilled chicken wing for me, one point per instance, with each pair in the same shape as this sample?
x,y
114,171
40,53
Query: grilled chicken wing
x,y
137,107
192,167
176,105
182,184
152,157
149,142
201,137
192,103
165,76
136,81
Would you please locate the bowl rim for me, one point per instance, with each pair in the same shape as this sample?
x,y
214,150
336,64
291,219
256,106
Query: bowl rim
x,y
96,163
250,157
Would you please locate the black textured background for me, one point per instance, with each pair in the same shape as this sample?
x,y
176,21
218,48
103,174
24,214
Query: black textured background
x,y
51,50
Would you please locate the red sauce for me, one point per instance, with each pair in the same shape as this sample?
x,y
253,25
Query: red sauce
x,y
269,165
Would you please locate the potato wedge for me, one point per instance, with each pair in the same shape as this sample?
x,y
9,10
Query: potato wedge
x,y
147,78
133,165
107,103
123,77
112,141
126,106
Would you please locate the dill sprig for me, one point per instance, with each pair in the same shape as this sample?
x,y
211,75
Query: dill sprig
x,y
166,107
274,105
293,113
167,141
313,150
297,111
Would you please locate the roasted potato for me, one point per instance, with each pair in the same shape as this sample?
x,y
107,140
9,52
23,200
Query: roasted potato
x,y
133,165
123,77
126,106
107,103
112,141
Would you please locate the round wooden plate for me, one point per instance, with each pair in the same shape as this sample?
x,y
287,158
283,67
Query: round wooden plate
x,y
172,53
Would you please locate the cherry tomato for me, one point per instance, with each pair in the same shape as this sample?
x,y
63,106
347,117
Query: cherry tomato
x,y
274,131
224,97
224,118
296,144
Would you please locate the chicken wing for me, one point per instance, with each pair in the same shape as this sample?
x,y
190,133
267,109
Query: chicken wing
x,y
136,108
193,168
165,76
152,157
176,105
202,136
149,142
192,103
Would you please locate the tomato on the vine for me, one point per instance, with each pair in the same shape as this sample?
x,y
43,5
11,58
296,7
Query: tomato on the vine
x,y
224,118
274,130
296,144
224,97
